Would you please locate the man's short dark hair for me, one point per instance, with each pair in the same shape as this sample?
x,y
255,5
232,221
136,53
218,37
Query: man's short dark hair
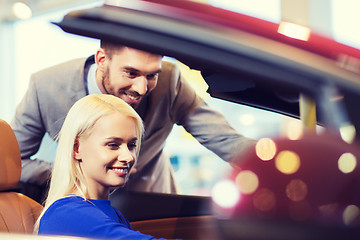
x,y
110,47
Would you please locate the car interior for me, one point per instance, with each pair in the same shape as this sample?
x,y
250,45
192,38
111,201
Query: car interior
x,y
18,213
167,215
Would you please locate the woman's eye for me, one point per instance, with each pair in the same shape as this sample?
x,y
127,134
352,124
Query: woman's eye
x,y
113,145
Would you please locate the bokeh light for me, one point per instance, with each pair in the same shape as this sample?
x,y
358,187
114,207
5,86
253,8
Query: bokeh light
x,y
350,214
347,163
294,129
348,133
265,149
296,190
225,193
247,182
287,162
328,210
264,200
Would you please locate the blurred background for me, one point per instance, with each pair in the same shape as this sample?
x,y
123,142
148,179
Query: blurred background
x,y
29,42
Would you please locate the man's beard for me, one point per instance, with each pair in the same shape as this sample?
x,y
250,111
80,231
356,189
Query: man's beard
x,y
105,81
110,90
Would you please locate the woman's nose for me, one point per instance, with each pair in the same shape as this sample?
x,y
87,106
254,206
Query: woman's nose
x,y
125,155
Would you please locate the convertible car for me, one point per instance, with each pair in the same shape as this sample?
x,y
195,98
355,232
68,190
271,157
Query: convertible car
x,y
303,183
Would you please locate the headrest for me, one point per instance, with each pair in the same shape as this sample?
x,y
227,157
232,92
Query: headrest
x,y
10,159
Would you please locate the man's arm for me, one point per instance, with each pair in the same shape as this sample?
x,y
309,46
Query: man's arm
x,y
29,130
212,130
208,126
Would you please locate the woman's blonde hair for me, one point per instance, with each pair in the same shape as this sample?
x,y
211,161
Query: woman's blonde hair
x,y
66,175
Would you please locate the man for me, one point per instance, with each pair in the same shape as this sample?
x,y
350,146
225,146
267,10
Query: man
x,y
155,89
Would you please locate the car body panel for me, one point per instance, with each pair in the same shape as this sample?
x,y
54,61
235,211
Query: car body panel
x,y
244,45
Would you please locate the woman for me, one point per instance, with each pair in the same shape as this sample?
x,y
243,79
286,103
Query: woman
x,y
98,146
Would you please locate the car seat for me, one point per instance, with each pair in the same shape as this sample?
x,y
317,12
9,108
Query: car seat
x,y
18,213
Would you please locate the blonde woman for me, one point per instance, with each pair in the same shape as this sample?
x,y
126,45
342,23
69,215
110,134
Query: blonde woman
x,y
98,146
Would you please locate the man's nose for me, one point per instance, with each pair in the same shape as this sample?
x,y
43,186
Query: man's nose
x,y
140,85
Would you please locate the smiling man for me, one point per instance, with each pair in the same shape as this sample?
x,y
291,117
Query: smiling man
x,y
153,87
130,81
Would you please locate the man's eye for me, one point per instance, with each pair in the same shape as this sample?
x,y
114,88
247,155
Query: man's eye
x,y
131,74
151,76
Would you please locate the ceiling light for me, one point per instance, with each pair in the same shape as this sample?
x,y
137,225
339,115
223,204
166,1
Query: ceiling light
x,y
293,30
21,10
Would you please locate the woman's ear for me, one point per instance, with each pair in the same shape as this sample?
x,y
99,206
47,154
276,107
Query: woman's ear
x,y
76,152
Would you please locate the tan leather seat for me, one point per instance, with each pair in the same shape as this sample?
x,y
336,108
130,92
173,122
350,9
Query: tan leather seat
x,y
18,213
